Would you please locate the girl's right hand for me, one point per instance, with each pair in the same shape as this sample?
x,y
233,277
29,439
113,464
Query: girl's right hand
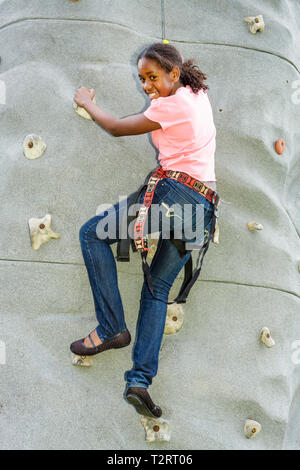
x,y
83,95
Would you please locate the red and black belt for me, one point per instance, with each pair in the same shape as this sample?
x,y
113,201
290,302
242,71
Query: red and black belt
x,y
140,241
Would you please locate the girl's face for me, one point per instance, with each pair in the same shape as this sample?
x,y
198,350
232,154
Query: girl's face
x,y
157,82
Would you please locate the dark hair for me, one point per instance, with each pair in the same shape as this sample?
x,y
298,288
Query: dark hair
x,y
168,56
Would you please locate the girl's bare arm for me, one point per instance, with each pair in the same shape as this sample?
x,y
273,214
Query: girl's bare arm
x,y
131,125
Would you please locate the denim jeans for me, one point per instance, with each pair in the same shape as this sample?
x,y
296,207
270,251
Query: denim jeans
x,y
165,266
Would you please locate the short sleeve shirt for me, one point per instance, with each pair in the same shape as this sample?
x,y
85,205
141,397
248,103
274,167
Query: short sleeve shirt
x,y
187,138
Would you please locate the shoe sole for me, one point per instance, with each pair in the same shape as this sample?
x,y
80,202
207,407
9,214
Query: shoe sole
x,y
140,406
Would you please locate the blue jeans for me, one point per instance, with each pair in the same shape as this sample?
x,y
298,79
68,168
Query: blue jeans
x,y
165,266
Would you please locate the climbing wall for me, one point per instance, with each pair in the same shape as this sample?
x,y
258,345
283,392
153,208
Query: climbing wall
x,y
214,371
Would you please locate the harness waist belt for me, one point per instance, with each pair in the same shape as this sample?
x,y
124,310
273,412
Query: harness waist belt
x,y
212,196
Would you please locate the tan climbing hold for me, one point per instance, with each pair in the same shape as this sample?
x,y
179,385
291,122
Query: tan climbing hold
x,y
251,428
280,146
40,231
152,243
156,429
33,146
266,338
82,112
252,226
256,23
216,234
82,361
174,319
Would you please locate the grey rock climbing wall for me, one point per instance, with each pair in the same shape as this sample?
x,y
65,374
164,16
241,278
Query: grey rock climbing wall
x,y
214,373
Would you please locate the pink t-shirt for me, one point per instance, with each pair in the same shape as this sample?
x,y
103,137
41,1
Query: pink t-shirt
x,y
186,141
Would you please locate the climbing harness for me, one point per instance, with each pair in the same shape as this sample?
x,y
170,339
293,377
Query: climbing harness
x,y
212,196
140,243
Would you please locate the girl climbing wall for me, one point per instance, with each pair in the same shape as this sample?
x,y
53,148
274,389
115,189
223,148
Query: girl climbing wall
x,y
181,122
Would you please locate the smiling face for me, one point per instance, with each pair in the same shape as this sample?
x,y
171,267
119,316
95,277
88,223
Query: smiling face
x,y
156,81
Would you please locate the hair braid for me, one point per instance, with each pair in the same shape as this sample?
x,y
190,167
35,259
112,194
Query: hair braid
x,y
191,75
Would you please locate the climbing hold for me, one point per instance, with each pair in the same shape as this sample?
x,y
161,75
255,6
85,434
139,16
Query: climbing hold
x,y
174,319
165,41
33,146
152,243
156,429
252,226
82,112
256,23
216,234
280,146
40,231
82,361
251,428
265,337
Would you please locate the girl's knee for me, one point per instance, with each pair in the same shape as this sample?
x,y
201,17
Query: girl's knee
x,y
161,289
86,231
82,232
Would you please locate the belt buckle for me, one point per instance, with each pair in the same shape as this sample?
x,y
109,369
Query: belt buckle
x,y
214,198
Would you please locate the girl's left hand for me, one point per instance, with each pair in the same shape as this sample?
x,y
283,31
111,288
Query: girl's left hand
x,y
83,96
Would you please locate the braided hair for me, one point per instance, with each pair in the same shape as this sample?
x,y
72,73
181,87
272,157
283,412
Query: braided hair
x,y
168,56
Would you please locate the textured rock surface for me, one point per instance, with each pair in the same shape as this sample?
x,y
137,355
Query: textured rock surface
x,y
248,281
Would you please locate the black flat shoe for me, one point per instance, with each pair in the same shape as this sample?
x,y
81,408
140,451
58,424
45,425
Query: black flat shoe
x,y
140,399
119,341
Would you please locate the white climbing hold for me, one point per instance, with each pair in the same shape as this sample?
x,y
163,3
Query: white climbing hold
x,y
266,338
251,428
256,23
252,226
156,429
33,146
82,112
40,231
174,319
82,361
